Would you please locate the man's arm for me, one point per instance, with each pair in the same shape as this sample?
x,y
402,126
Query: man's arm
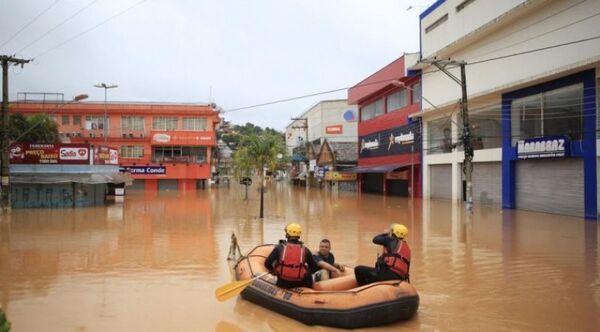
x,y
383,239
273,256
324,265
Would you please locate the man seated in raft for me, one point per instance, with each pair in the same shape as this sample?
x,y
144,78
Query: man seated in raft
x,y
291,261
393,264
326,261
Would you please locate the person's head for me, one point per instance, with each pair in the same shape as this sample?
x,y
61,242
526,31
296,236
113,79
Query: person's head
x,y
324,247
293,231
398,231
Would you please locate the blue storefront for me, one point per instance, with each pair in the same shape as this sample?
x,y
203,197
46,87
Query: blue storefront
x,y
549,157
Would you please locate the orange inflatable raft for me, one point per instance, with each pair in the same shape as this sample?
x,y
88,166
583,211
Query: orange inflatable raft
x,y
336,302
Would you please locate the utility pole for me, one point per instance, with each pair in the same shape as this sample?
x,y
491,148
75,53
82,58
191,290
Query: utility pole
x,y
6,60
466,130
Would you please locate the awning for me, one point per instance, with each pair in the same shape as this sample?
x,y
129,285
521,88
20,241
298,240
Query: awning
x,y
49,178
373,169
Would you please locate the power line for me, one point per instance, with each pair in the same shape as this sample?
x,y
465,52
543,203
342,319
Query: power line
x,y
29,23
90,29
57,26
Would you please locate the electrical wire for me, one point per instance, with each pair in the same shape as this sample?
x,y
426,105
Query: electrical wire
x,y
29,23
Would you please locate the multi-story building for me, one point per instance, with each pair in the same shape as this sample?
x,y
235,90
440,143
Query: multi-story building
x,y
389,142
532,71
165,146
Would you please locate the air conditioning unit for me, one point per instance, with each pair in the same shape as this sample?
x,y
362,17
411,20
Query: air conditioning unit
x,y
142,135
124,135
78,134
73,134
130,135
91,134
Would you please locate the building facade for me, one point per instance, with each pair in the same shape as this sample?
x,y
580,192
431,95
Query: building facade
x,y
389,152
532,71
163,146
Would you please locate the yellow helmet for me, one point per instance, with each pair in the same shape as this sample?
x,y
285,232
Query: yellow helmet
x,y
398,230
293,230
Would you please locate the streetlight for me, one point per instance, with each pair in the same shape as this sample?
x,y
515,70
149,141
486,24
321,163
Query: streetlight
x,y
105,124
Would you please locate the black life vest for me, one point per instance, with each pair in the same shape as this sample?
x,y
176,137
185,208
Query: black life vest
x,y
291,265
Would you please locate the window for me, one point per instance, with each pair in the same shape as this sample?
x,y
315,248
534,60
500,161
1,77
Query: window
x,y
76,119
397,100
463,4
198,124
439,135
436,23
556,112
164,123
416,93
372,110
188,154
132,123
95,122
486,127
65,119
132,151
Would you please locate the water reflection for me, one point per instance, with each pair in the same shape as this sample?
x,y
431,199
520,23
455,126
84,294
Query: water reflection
x,y
153,262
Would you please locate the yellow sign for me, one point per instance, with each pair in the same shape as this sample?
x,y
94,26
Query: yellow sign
x,y
337,176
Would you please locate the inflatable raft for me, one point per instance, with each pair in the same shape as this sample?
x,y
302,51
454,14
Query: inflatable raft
x,y
336,302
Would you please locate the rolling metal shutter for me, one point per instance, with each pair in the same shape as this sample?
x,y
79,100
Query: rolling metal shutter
x,y
441,181
487,183
168,185
553,186
137,184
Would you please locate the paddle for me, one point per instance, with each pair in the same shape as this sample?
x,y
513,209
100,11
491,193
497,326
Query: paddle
x,y
232,289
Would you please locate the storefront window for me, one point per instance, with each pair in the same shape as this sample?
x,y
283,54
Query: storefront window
x,y
397,100
556,112
132,151
416,93
439,136
486,127
372,110
188,154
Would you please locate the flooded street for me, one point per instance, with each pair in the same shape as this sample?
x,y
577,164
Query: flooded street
x,y
153,262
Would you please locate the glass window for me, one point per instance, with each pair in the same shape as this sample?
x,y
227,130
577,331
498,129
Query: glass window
x,y
65,119
486,127
76,119
164,123
95,122
198,124
187,154
132,151
416,93
439,136
372,110
132,123
397,100
556,112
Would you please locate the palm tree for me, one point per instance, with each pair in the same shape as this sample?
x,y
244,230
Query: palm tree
x,y
259,153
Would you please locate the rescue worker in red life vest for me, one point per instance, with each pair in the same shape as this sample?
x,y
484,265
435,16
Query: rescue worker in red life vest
x,y
291,261
393,264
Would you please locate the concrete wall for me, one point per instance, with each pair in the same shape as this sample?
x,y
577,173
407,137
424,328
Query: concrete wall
x,y
331,113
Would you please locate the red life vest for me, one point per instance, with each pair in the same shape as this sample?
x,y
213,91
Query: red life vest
x,y
291,265
399,260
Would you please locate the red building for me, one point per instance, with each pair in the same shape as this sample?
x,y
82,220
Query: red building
x,y
163,145
389,159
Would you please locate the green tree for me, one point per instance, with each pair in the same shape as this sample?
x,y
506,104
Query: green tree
x,y
4,323
257,153
39,128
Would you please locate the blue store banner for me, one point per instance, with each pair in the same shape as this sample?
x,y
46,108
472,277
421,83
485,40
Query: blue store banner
x,y
399,140
543,147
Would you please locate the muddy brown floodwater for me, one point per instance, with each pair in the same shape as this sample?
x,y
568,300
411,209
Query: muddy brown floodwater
x,y
153,262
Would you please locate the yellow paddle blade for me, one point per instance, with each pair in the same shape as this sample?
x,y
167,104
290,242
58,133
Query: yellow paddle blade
x,y
232,289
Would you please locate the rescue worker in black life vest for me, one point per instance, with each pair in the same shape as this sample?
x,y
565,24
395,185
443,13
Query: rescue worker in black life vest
x,y
393,264
291,261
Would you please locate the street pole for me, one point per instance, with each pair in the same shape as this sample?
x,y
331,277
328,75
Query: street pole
x,y
5,170
466,130
467,142
105,121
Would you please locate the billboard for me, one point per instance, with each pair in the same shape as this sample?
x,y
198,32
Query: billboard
x,y
394,141
543,147
183,138
34,153
104,155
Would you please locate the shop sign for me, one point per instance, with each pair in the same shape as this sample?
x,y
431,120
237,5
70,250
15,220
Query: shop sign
x,y
393,141
30,153
337,129
144,170
104,155
206,138
543,147
399,175
337,176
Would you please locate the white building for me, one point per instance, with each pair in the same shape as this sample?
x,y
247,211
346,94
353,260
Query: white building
x,y
532,75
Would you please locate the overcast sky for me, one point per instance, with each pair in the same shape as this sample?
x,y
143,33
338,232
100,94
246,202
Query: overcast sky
x,y
249,52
